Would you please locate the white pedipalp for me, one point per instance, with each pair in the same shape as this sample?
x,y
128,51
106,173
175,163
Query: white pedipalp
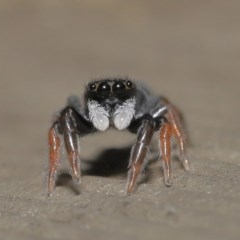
x,y
123,115
98,115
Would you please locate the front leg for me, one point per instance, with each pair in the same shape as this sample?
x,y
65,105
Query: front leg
x,y
68,121
71,125
139,152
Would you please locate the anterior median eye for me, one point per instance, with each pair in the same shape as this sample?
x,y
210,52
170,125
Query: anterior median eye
x,y
104,89
119,87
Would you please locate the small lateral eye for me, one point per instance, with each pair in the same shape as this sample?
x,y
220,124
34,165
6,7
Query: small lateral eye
x,y
129,84
92,87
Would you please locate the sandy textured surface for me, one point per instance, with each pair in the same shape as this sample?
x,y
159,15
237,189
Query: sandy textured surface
x,y
186,50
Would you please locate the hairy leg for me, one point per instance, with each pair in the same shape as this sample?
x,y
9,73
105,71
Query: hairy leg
x,y
180,136
165,147
71,124
139,152
174,117
54,147
69,128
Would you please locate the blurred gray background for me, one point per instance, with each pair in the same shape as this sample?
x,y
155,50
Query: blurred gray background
x,y
188,51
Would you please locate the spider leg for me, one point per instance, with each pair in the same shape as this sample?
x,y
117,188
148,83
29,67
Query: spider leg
x,y
165,147
71,125
139,152
174,117
171,125
54,147
69,128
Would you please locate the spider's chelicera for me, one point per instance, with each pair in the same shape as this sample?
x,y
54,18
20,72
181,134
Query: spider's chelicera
x,y
120,104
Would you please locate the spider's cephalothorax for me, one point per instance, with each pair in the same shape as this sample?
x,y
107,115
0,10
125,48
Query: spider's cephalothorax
x,y
120,104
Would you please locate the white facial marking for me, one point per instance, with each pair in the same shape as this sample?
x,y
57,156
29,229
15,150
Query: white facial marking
x,y
124,114
98,115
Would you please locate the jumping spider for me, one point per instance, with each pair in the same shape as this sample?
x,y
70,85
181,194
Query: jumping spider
x,y
120,104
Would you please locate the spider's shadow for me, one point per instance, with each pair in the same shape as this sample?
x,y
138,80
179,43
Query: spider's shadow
x,y
65,179
110,162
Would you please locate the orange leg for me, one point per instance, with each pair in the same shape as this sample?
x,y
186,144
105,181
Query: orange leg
x,y
139,152
72,147
133,174
165,146
68,123
173,126
173,117
54,147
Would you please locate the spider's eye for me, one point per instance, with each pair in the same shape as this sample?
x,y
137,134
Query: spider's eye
x,y
129,84
92,87
104,88
118,87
